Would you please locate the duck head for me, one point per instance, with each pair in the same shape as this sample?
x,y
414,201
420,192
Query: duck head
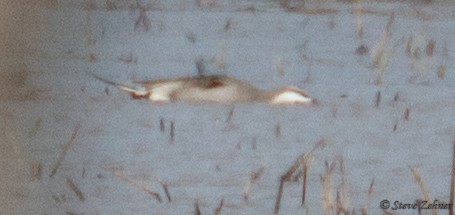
x,y
291,95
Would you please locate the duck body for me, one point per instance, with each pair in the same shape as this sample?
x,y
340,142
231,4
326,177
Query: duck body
x,y
211,89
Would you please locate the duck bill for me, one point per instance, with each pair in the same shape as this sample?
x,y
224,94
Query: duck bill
x,y
314,103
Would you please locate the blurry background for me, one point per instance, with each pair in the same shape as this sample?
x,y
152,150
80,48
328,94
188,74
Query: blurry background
x,y
70,144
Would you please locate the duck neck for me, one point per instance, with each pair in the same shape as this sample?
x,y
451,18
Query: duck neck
x,y
266,95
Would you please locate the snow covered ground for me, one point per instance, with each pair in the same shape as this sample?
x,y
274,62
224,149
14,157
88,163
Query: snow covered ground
x,y
49,48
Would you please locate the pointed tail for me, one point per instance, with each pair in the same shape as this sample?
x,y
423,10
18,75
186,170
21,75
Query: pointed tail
x,y
136,92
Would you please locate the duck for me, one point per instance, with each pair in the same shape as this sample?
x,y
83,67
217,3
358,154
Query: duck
x,y
211,89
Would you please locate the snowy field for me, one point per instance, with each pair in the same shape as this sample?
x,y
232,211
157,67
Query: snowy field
x,y
70,144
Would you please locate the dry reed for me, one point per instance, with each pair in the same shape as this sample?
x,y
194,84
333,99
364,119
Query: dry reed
x,y
441,72
452,181
359,20
430,48
342,194
197,210
127,58
171,134
406,114
228,25
327,192
36,171
369,197
277,130
253,178
162,125
165,188
66,147
142,22
302,162
75,189
395,126
423,188
219,207
230,115
200,66
378,99
378,57
120,175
